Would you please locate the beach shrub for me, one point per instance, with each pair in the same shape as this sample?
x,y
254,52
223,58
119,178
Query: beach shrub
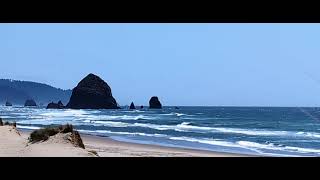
x,y
45,133
66,128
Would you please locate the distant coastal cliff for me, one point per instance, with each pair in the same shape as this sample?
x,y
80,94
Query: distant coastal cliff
x,y
92,92
17,92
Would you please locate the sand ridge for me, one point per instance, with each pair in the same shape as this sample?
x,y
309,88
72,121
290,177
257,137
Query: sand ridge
x,y
15,144
12,144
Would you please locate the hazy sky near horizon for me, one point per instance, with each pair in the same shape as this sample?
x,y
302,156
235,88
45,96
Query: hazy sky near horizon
x,y
183,64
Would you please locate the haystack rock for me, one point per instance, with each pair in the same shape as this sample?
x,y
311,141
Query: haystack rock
x,y
132,106
30,102
53,105
92,93
154,103
8,103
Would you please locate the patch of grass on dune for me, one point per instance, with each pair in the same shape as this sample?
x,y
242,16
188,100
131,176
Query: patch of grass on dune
x,y
45,133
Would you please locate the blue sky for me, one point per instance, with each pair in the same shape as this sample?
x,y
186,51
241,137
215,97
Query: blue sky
x,y
183,64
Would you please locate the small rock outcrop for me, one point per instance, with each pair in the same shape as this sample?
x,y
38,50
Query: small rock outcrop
x,y
141,107
92,93
8,103
1,123
154,103
53,105
132,106
30,102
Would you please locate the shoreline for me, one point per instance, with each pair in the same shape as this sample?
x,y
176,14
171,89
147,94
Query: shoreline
x,y
158,149
108,147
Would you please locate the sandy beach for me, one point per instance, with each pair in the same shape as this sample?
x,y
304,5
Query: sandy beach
x,y
107,147
14,143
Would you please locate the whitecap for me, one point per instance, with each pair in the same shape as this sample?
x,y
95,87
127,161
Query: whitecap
x,y
271,146
28,127
121,133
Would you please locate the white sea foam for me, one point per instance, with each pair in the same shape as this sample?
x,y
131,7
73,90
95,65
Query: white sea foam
x,y
109,123
183,127
253,146
309,134
118,117
271,146
65,113
175,114
207,141
121,133
179,114
28,127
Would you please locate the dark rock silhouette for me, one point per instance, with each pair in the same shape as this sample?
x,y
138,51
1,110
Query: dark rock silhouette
x,y
60,103
1,123
141,107
30,102
8,103
53,105
176,107
154,103
132,106
92,93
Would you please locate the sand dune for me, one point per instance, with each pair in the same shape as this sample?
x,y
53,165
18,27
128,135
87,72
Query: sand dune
x,y
15,144
12,144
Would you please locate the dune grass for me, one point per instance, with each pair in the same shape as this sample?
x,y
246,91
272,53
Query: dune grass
x,y
45,133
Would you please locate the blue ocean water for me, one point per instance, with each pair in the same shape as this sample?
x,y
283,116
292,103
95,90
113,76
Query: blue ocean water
x,y
269,131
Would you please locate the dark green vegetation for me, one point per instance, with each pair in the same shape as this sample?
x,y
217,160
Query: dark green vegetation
x,y
17,92
45,133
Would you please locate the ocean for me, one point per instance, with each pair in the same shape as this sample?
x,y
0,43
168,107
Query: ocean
x,y
266,131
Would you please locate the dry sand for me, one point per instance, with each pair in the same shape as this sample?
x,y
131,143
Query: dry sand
x,y
13,144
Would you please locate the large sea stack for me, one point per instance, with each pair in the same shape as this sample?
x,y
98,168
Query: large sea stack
x,y
154,103
132,106
92,93
30,102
